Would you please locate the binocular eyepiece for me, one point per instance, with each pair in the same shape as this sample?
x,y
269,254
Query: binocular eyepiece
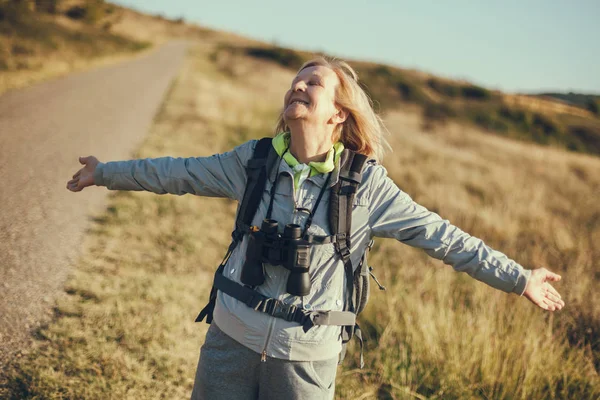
x,y
288,250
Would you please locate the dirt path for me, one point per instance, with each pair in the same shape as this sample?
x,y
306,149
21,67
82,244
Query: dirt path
x,y
43,129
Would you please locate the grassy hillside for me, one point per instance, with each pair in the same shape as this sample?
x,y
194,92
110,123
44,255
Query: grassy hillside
x,y
124,326
40,40
529,118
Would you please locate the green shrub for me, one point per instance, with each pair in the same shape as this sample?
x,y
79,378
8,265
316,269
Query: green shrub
x,y
14,12
282,56
544,124
76,12
442,88
91,12
47,6
486,118
517,116
438,112
21,49
482,119
588,136
470,92
18,21
593,106
473,92
383,71
408,90
544,130
4,65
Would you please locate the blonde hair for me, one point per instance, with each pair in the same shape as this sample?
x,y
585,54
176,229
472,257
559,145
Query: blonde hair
x,y
363,130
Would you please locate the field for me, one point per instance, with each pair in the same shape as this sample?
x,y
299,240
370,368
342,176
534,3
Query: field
x,y
124,326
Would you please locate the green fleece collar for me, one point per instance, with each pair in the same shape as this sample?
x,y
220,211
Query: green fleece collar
x,y
281,143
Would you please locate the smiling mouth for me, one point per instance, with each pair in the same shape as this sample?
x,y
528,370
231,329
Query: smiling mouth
x,y
299,102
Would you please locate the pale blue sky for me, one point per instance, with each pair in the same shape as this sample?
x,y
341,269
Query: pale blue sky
x,y
511,45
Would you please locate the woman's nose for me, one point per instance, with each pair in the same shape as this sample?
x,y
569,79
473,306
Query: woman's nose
x,y
299,86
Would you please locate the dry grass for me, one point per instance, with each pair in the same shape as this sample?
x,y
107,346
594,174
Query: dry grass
x,y
443,335
124,328
68,46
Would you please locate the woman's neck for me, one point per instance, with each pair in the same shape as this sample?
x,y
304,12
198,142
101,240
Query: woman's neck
x,y
307,147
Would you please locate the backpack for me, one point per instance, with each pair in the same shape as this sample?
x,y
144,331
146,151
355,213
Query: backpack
x,y
340,221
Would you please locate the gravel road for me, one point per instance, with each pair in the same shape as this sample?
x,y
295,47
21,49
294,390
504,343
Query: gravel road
x,y
43,130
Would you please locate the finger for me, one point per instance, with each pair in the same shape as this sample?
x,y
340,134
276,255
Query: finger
x,y
77,174
553,305
558,303
551,276
553,291
548,305
84,160
550,296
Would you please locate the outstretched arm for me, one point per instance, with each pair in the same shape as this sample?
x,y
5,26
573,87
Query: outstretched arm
x,y
394,214
220,175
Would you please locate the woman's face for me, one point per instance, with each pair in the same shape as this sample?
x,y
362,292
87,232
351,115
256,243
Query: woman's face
x,y
311,96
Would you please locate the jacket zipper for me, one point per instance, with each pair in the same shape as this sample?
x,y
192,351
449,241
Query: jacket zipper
x,y
263,355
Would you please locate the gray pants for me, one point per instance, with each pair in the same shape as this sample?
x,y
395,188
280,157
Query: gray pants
x,y
229,370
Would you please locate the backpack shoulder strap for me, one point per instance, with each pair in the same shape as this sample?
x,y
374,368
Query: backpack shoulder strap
x,y
340,223
341,199
340,212
257,170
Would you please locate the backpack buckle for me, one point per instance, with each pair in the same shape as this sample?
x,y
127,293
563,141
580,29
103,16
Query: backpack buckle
x,y
279,309
341,245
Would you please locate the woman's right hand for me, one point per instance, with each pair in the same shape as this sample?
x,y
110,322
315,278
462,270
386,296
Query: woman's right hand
x,y
85,176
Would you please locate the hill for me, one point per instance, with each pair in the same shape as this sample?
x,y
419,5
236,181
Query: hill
x,y
546,120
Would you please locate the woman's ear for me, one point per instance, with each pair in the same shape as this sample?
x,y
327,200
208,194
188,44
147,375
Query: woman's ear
x,y
340,116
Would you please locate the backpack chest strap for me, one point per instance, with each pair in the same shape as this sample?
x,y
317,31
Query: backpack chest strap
x,y
278,309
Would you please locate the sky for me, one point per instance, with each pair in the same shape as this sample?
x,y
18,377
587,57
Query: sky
x,y
526,46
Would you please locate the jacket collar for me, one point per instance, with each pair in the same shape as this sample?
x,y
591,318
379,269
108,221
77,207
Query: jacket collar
x,y
281,143
318,180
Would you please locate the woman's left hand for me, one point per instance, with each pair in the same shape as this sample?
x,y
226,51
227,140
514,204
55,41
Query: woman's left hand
x,y
541,293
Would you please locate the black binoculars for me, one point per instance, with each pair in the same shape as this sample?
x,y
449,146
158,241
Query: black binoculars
x,y
288,250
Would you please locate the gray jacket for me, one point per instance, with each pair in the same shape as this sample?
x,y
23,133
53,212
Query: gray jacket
x,y
381,209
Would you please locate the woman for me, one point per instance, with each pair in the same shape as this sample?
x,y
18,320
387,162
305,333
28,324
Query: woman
x,y
249,354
